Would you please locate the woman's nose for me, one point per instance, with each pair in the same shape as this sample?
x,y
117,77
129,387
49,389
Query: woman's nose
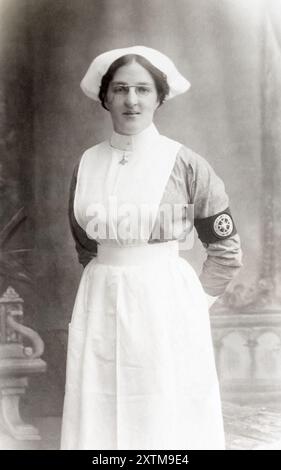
x,y
131,97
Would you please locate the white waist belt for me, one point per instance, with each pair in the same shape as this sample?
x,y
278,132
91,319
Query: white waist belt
x,y
136,254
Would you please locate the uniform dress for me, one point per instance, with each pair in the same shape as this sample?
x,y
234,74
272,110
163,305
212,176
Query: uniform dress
x,y
140,366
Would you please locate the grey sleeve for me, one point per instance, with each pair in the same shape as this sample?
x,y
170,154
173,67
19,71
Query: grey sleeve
x,y
221,265
86,248
224,256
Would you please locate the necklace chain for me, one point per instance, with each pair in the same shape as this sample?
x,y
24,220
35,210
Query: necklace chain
x,y
125,157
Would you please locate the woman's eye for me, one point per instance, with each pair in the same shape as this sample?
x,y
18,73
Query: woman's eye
x,y
119,89
143,90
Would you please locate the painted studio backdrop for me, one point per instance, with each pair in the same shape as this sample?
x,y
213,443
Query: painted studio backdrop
x,y
230,52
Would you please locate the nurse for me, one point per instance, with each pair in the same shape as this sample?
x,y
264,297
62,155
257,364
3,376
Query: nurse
x,y
140,366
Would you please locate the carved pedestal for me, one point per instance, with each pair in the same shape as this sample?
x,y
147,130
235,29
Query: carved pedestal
x,y
11,392
17,363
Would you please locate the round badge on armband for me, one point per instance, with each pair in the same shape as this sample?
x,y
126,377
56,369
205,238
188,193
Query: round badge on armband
x,y
223,225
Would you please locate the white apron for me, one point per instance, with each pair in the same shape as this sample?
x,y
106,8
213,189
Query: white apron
x,y
140,367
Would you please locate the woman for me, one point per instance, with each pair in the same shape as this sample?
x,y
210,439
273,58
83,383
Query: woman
x,y
140,367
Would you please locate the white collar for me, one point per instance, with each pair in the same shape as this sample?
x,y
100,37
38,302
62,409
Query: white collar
x,y
130,143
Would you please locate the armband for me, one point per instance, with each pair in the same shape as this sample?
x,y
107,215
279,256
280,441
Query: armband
x,y
216,227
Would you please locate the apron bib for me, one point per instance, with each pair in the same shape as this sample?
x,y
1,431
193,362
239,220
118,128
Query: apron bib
x,y
123,200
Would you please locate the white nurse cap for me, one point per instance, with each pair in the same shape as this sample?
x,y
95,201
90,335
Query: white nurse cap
x,y
91,82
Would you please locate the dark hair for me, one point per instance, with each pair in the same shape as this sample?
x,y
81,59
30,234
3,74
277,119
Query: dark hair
x,y
160,79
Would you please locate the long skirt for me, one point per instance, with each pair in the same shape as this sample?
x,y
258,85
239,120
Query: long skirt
x,y
140,364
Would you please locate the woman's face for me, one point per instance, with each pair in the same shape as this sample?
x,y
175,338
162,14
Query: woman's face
x,y
131,99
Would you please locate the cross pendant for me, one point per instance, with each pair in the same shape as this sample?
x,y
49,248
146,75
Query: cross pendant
x,y
124,160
